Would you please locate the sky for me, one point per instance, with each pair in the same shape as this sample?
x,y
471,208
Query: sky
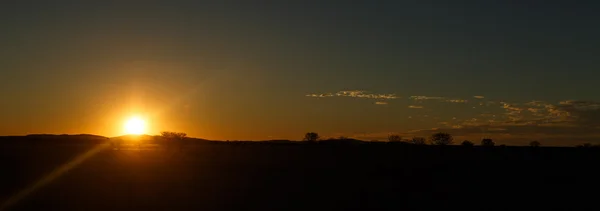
x,y
513,71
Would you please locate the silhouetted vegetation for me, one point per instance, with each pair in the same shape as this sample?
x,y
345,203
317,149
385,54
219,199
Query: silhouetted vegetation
x,y
174,139
394,138
311,137
289,170
173,136
441,139
417,141
535,144
486,142
467,143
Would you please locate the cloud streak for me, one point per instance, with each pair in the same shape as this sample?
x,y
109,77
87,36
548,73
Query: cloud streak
x,y
440,99
355,94
426,98
457,101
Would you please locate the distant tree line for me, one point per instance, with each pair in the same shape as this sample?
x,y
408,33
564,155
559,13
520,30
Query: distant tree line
x,y
440,139
173,139
179,139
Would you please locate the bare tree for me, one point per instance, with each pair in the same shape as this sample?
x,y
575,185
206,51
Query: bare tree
x,y
394,138
417,141
486,142
535,144
311,137
441,139
467,143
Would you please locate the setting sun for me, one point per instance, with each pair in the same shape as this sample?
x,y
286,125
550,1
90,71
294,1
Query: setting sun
x,y
135,125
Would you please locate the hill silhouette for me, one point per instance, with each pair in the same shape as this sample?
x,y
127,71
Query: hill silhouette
x,y
330,174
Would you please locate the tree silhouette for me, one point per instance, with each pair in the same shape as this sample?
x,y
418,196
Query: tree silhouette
x,y
487,142
418,140
311,137
173,135
467,143
441,139
394,138
535,144
173,138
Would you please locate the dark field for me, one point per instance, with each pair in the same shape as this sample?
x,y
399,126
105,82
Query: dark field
x,y
252,176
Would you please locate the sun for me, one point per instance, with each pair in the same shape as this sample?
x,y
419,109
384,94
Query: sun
x,y
135,126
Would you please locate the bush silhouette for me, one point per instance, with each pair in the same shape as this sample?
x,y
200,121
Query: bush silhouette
x,y
535,144
418,141
394,138
173,135
311,137
487,142
441,139
173,138
467,143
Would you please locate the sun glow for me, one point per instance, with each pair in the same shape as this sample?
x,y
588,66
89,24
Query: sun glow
x,y
135,126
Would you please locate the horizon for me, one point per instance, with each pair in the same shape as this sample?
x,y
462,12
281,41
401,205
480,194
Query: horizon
x,y
248,71
405,140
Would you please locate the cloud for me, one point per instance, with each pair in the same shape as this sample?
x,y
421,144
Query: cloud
x,y
568,122
425,98
356,94
365,94
581,105
442,99
565,112
478,97
381,103
457,101
559,123
320,95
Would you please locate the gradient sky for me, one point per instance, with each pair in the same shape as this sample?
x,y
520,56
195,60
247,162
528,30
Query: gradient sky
x,y
513,71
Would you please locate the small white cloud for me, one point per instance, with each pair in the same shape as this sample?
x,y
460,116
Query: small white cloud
x,y
414,106
381,103
456,101
426,98
479,97
356,94
365,94
320,95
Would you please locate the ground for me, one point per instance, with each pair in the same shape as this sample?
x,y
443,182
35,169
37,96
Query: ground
x,y
237,176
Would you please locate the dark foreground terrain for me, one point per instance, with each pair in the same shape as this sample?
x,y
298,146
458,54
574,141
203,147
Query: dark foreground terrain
x,y
238,176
